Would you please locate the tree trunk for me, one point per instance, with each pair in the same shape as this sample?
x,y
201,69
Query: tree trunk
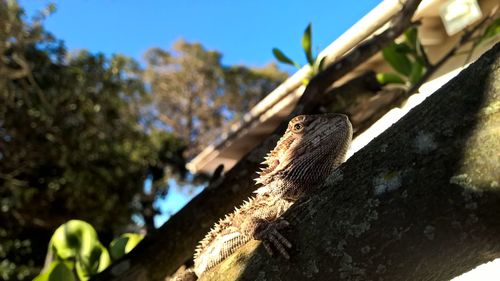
x,y
420,202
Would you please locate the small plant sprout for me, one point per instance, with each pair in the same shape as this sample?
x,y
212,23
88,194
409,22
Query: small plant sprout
x,y
315,63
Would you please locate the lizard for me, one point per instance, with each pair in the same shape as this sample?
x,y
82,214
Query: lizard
x,y
307,153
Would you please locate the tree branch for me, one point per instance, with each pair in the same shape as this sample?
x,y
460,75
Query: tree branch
x,y
420,202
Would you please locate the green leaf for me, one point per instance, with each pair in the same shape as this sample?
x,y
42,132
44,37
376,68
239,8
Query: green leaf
x,y
402,48
319,64
411,37
133,240
117,247
491,31
417,71
400,62
77,240
57,271
124,244
284,59
104,259
83,271
389,78
73,237
61,273
306,44
89,265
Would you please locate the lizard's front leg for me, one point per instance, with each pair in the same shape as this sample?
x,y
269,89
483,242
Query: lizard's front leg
x,y
265,225
268,233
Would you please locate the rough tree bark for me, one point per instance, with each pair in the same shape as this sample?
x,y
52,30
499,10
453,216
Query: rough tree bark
x,y
173,244
420,202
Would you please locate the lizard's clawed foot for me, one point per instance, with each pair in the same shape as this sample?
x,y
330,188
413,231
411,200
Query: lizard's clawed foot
x,y
270,235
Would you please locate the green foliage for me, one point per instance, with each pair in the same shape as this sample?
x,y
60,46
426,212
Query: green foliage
x,y
491,31
57,271
77,242
406,58
75,141
124,244
397,58
75,248
315,63
73,135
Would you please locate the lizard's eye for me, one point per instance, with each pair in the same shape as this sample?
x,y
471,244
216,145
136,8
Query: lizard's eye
x,y
297,128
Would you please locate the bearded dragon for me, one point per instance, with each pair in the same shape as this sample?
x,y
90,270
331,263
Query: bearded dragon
x,y
311,148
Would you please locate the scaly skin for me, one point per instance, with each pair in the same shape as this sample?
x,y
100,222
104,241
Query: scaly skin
x,y
311,148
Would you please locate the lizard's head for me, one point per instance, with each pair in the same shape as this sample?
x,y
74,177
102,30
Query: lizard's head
x,y
311,148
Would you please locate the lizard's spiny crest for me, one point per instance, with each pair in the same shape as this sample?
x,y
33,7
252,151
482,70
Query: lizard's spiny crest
x,y
278,155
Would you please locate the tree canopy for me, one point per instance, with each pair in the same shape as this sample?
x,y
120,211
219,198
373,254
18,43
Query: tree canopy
x,y
196,95
74,140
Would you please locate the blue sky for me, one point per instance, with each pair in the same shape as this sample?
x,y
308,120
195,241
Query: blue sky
x,y
243,31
